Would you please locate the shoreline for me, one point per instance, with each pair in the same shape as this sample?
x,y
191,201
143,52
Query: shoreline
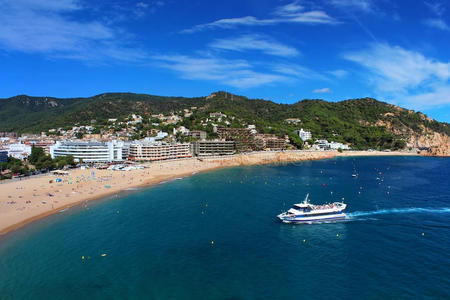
x,y
26,201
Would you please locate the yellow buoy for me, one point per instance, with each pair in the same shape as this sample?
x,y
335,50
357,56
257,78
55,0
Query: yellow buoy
x,y
104,254
423,234
304,241
82,257
212,242
337,235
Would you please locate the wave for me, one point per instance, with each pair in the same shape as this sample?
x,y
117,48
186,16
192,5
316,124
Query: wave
x,y
399,211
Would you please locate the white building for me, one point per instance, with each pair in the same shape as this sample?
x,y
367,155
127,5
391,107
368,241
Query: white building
x,y
89,151
150,151
19,150
325,145
304,135
183,130
252,129
159,136
336,146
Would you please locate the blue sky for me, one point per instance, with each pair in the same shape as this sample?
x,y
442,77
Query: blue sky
x,y
395,51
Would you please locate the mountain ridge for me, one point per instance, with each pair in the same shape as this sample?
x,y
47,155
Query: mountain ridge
x,y
363,122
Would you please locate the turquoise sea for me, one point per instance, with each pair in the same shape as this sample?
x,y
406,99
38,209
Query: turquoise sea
x,y
215,236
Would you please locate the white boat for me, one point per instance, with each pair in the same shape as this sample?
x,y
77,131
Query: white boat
x,y
307,213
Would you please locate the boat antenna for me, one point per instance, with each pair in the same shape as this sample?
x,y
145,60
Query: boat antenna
x,y
306,198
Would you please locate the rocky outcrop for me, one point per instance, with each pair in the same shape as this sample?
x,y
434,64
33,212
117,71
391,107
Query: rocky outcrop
x,y
435,144
428,141
443,151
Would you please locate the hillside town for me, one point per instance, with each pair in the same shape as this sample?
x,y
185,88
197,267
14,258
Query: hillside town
x,y
153,138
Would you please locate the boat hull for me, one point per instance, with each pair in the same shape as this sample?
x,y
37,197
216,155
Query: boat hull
x,y
313,219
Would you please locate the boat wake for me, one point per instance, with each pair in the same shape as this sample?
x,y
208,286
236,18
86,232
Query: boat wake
x,y
391,211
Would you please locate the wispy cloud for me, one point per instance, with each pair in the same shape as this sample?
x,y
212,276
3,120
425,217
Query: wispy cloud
x,y
143,8
437,23
236,73
338,73
407,75
254,42
289,9
437,9
296,71
439,95
47,27
361,5
322,91
290,13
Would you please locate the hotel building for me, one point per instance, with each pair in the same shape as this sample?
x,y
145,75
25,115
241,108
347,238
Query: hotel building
x,y
148,151
89,151
243,137
304,135
19,150
269,141
209,148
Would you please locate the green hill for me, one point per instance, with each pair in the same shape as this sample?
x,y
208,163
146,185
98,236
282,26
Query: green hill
x,y
365,123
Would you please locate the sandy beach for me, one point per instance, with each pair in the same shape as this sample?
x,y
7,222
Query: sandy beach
x,y
24,201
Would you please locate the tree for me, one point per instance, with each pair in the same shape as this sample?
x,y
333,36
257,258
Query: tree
x,y
62,161
398,144
296,140
36,154
39,159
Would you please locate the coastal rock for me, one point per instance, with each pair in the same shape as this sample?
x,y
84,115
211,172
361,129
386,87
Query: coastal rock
x,y
434,144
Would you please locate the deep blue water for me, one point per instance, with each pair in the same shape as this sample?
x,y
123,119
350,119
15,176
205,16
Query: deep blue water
x,y
158,241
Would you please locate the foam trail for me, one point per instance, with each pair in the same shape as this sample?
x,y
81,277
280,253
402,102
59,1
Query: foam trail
x,y
398,211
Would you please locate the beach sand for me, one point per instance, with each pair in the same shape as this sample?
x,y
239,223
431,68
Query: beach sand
x,y
24,201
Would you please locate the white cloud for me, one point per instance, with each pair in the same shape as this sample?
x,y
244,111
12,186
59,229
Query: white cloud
x,y
143,8
397,69
46,27
142,5
236,73
437,23
437,8
296,71
438,96
257,43
406,75
289,9
362,5
46,5
338,73
290,13
321,91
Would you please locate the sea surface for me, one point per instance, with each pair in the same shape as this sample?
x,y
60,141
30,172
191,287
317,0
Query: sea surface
x,y
215,236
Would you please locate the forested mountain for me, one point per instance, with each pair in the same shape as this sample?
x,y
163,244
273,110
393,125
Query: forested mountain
x,y
361,122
